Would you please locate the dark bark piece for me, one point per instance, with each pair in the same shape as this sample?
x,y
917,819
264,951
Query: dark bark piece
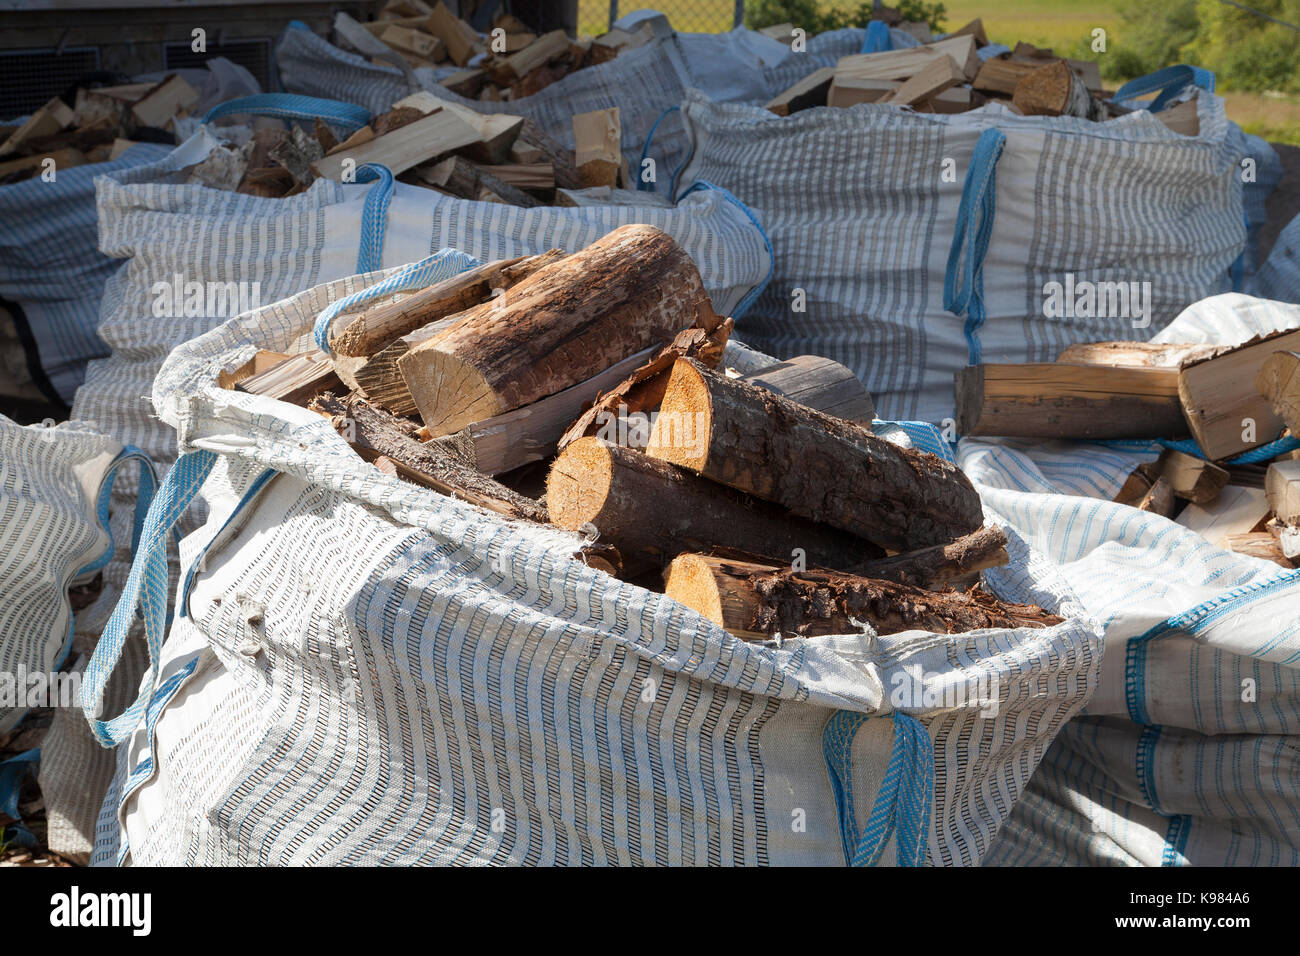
x,y
651,511
818,466
755,601
565,323
944,563
438,465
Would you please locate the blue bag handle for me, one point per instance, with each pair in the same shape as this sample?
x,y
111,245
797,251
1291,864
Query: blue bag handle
x,y
292,106
145,590
1167,83
963,281
443,264
877,38
902,805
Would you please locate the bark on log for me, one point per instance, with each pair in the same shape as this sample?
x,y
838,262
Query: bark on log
x,y
818,466
562,325
941,564
437,465
376,328
643,390
756,601
651,511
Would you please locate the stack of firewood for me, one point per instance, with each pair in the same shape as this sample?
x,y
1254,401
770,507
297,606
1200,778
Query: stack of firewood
x,y
515,63
431,143
1230,399
763,501
103,124
947,76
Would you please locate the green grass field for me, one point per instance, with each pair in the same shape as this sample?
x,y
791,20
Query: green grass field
x,y
1060,24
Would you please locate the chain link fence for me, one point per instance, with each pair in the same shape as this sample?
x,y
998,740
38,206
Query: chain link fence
x,y
686,16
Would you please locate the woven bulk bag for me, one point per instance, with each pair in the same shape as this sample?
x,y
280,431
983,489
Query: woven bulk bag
x,y
361,670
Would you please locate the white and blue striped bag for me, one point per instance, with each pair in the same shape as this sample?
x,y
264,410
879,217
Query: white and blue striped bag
x,y
363,671
1187,752
908,246
1279,277
52,274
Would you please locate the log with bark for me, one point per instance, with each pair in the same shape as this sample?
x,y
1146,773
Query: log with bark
x,y
819,383
943,563
445,466
1054,91
756,601
652,511
378,327
565,323
819,467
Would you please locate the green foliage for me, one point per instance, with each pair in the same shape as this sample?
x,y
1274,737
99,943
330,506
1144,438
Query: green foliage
x,y
1245,51
818,18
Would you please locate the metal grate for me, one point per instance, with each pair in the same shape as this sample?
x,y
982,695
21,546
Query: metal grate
x,y
33,77
254,54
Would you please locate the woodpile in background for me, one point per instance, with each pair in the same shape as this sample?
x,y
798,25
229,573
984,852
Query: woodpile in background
x,y
517,62
947,76
432,143
1230,399
103,123
587,391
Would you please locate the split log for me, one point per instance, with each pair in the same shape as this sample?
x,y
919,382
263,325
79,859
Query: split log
x,y
1053,91
756,601
817,466
1237,510
1282,486
811,91
939,74
1279,382
459,37
531,433
1159,499
167,99
565,323
378,327
819,383
401,149
643,389
848,91
296,379
652,511
976,29
1053,400
598,150
1192,478
1225,412
533,137
943,563
1287,535
374,433
546,48
902,64
459,177
1144,354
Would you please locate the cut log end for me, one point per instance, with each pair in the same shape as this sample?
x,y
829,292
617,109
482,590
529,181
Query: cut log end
x,y
448,392
690,581
681,432
579,483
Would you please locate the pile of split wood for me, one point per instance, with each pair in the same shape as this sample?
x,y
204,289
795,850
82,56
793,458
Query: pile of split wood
x,y
515,63
1230,399
104,123
947,76
433,143
764,502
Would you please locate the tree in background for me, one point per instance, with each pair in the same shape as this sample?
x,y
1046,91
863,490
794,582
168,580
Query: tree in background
x,y
819,18
1245,51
